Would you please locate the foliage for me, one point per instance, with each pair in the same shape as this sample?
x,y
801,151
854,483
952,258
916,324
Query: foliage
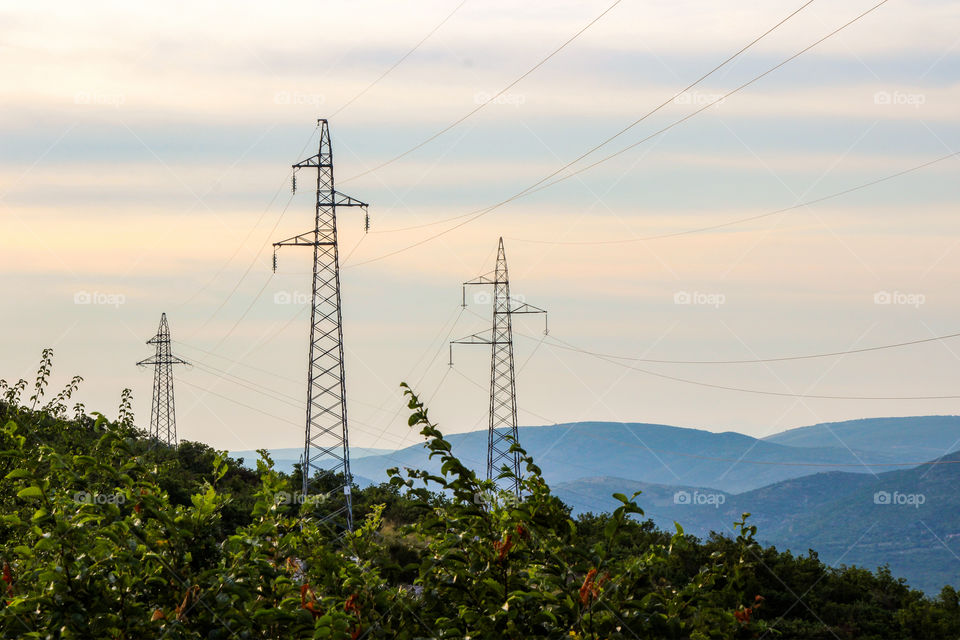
x,y
108,534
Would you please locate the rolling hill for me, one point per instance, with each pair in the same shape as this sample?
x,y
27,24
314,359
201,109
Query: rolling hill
x,y
909,519
652,453
675,456
807,488
913,438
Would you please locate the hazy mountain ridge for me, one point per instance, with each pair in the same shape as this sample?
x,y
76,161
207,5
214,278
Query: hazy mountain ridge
x,y
666,455
909,519
926,437
657,454
827,506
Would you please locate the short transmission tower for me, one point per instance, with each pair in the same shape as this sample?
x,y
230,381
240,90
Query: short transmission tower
x,y
163,418
503,389
326,450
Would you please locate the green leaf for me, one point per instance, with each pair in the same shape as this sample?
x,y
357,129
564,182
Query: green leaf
x,y
18,473
30,492
610,528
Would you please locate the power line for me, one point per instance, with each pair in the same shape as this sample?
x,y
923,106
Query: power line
x,y
242,364
270,393
635,122
242,404
707,106
431,362
748,218
782,394
268,337
488,101
613,359
474,215
569,347
246,271
247,237
244,241
243,316
617,442
381,434
638,446
455,317
398,62
209,368
369,428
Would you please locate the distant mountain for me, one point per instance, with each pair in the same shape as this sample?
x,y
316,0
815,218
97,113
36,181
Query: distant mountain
x,y
651,453
912,438
806,487
909,519
675,456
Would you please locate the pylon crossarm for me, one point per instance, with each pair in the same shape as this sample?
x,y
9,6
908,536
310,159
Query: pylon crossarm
x,y
301,240
477,338
526,308
315,161
172,359
529,308
484,279
343,200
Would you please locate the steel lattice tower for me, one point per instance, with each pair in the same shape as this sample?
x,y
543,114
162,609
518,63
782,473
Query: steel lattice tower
x,y
503,389
163,418
326,449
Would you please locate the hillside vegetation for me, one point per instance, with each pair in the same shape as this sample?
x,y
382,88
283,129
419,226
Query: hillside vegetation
x,y
108,534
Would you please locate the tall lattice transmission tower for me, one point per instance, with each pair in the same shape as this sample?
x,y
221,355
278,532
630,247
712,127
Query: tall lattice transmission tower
x,y
503,388
326,449
163,416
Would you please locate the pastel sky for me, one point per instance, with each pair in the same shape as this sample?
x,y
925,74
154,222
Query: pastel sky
x,y
145,157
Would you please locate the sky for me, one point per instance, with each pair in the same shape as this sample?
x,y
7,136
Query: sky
x,y
145,157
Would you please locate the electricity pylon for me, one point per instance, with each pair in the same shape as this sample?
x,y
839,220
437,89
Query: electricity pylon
x,y
503,389
163,418
326,449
